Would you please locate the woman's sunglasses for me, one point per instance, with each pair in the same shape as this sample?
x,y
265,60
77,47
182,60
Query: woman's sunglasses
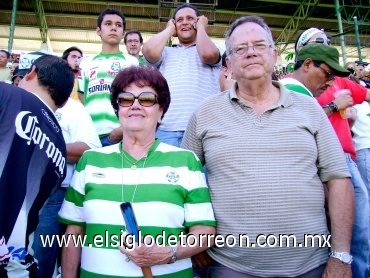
x,y
146,99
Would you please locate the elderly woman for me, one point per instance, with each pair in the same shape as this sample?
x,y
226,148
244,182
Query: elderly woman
x,y
165,185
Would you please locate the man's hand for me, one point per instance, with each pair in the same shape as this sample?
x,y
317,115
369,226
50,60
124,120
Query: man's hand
x,y
171,26
344,100
116,135
202,21
145,256
336,269
201,260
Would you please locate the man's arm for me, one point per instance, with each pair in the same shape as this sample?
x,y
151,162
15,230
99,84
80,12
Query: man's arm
x,y
342,101
152,49
75,151
116,135
367,95
207,50
71,254
341,211
81,97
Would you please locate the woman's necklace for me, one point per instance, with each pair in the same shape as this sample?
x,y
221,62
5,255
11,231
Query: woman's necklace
x,y
133,166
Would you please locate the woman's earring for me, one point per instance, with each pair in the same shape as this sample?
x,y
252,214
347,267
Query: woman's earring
x,y
159,121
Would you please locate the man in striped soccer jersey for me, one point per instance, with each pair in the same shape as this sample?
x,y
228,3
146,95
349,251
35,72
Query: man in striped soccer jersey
x,y
98,72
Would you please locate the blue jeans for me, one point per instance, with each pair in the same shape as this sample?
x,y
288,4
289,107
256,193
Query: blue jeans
x,y
48,225
173,138
363,164
360,234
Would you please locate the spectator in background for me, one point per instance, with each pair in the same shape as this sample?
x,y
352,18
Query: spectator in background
x,y
191,68
33,156
267,152
4,70
332,103
72,56
315,69
98,72
17,76
360,74
225,78
134,41
15,64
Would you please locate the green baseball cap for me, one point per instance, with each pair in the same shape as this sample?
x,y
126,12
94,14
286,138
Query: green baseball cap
x,y
323,53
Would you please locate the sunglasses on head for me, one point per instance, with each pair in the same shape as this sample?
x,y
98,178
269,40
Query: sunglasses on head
x,y
146,99
318,40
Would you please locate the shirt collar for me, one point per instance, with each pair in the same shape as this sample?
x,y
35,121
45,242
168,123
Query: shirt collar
x,y
285,99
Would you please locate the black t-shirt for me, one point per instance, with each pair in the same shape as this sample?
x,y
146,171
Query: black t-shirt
x,y
32,164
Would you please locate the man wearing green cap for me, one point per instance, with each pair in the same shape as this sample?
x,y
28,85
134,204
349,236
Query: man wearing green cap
x,y
332,103
314,71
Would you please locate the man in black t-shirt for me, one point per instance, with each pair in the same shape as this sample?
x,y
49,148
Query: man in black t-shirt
x,y
32,155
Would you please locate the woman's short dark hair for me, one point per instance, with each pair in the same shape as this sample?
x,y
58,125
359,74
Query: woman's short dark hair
x,y
141,76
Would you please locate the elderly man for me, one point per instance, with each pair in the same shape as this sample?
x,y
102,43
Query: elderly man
x,y
314,71
268,151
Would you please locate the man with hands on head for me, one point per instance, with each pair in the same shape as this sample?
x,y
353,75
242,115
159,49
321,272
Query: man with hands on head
x,y
191,68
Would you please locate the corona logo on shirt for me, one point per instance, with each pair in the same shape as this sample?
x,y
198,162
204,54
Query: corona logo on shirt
x,y
27,128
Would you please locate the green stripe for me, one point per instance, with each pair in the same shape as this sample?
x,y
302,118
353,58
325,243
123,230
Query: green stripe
x,y
110,235
186,273
174,194
298,89
74,197
173,159
198,195
203,222
104,117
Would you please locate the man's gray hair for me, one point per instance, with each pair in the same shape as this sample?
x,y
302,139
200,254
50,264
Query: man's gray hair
x,y
244,19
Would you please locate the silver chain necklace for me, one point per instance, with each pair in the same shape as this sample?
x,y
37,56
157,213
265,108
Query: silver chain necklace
x,y
133,167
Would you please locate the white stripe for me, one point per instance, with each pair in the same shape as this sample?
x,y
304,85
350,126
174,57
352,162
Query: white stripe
x,y
153,175
161,214
202,212
113,262
71,212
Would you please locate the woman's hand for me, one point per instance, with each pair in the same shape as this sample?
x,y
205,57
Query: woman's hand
x,y
145,256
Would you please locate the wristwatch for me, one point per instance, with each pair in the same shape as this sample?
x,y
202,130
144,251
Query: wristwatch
x,y
344,257
332,107
174,255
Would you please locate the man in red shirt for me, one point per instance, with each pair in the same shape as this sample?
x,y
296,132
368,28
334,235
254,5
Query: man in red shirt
x,y
332,104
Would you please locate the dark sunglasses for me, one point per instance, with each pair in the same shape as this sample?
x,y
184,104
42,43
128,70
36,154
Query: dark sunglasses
x,y
318,40
329,75
146,99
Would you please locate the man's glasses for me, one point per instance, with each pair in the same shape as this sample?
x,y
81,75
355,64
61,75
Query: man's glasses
x,y
318,40
241,49
146,99
133,41
329,75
